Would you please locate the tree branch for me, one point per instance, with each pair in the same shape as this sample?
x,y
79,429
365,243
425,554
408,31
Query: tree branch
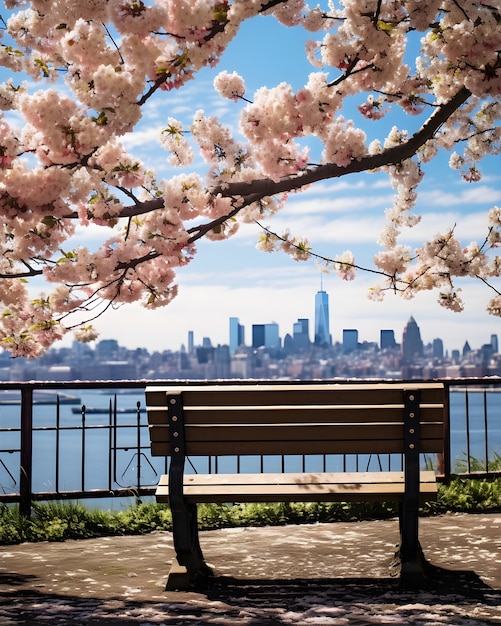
x,y
139,208
267,187
254,191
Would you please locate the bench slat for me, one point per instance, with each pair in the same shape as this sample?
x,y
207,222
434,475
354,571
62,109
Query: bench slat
x,y
293,413
214,434
307,487
339,438
302,394
309,478
201,448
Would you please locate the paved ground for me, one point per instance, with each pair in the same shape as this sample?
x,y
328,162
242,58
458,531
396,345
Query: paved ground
x,y
313,574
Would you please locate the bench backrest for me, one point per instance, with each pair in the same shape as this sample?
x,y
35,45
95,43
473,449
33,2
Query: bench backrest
x,y
295,418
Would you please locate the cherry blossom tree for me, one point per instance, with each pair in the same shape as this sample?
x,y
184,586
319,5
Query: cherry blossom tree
x,y
81,71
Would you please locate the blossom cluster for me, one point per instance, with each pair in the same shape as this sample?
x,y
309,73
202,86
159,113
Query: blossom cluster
x,y
81,72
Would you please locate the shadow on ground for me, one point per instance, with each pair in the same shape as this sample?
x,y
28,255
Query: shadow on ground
x,y
458,598
310,574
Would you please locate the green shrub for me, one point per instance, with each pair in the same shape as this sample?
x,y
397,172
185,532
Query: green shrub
x,y
470,495
11,525
144,518
56,521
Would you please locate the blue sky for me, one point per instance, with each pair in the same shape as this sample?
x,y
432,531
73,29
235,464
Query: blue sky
x,y
232,278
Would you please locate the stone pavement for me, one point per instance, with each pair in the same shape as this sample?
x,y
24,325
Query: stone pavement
x,y
335,573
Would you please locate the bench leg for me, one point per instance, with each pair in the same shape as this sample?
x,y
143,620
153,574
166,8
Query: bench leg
x,y
413,564
189,571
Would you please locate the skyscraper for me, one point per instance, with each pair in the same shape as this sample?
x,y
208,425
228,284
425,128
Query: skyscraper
x,y
387,339
350,339
322,332
237,334
494,343
300,335
438,348
412,345
265,335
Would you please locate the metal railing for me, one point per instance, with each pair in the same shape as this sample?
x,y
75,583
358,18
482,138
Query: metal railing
x,y
55,446
57,435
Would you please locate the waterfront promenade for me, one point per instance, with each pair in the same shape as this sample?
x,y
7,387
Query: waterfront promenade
x,y
335,573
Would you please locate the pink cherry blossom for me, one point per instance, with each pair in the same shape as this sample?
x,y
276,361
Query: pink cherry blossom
x,y
81,73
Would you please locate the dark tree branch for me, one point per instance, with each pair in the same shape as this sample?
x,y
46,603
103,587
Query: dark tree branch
x,y
27,274
139,208
267,187
197,232
266,6
246,193
253,191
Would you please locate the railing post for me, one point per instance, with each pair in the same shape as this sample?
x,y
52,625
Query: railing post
x,y
138,451
25,479
444,458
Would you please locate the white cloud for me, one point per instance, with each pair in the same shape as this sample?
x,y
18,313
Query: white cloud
x,y
313,204
340,230
145,138
469,227
479,194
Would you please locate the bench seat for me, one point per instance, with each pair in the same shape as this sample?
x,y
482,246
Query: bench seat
x,y
301,487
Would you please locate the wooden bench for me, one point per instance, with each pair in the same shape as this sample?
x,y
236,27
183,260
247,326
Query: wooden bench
x,y
216,420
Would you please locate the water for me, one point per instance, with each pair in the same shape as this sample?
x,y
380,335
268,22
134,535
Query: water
x,y
122,471
97,471
468,414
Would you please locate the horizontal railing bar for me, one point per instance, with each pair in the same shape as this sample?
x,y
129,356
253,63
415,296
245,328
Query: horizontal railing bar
x,y
476,475
76,384
11,498
86,427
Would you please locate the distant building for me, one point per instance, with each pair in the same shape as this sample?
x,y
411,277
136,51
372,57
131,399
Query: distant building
x,y
322,332
486,352
257,335
412,344
57,372
387,339
107,349
222,362
241,366
350,339
494,343
438,349
237,335
266,335
109,370
205,354
301,334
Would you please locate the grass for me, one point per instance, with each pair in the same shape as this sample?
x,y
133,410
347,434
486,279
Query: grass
x,y
475,465
56,521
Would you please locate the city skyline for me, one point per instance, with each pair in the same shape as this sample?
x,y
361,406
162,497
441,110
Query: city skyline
x,y
205,312
269,333
267,357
